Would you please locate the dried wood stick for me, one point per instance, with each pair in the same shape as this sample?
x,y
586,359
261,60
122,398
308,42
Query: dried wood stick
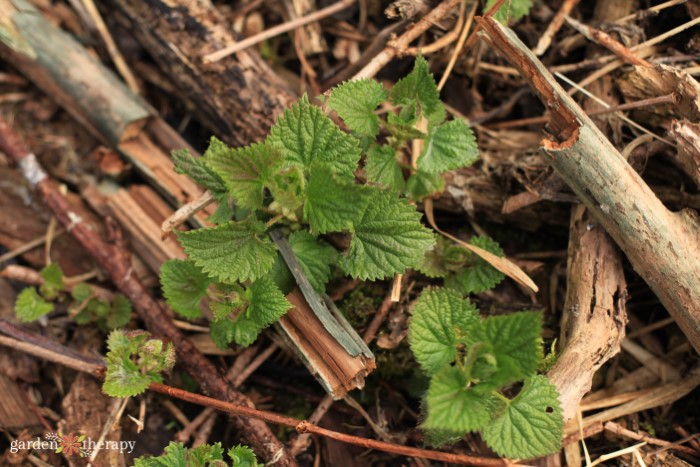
x,y
595,314
401,44
277,30
661,245
607,41
115,261
554,26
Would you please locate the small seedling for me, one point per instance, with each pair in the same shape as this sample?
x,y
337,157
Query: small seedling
x,y
205,455
134,361
84,304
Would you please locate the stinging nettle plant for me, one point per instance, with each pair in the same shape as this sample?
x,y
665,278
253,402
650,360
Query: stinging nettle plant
x,y
304,180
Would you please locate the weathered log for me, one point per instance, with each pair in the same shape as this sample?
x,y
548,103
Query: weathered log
x,y
238,97
661,245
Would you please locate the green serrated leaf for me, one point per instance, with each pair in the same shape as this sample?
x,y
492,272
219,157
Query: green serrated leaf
x,y
315,258
228,301
198,170
288,189
184,286
419,89
449,146
480,275
266,305
433,264
235,251
204,454
81,292
516,344
403,129
120,313
511,10
224,211
382,168
333,205
243,456
388,239
422,185
355,102
30,306
438,438
175,455
306,136
127,376
247,171
452,405
531,425
53,281
440,316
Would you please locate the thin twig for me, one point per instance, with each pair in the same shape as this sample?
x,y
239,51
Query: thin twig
x,y
112,48
460,44
613,427
185,212
277,30
397,47
556,24
30,245
118,406
301,426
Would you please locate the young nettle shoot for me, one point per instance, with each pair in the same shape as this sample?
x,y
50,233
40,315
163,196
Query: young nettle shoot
x,y
204,455
473,363
134,361
85,305
304,180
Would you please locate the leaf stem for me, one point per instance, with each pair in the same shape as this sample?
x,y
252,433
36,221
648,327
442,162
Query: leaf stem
x,y
273,221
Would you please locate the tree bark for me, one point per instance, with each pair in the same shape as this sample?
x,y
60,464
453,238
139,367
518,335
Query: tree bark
x,y
661,245
238,97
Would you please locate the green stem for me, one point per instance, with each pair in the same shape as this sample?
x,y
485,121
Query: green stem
x,y
502,397
273,221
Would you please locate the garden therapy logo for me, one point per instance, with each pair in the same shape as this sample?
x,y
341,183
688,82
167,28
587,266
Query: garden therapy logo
x,y
71,444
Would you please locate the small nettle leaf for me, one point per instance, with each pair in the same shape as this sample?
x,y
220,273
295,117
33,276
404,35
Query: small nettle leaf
x,y
516,344
184,286
224,210
205,455
306,136
235,251
440,316
81,292
333,205
480,275
315,258
243,456
402,127
30,306
511,10
439,437
531,425
265,305
175,455
288,189
452,405
388,239
247,171
198,170
120,312
419,88
422,185
443,258
227,301
127,376
382,168
449,146
53,281
355,102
